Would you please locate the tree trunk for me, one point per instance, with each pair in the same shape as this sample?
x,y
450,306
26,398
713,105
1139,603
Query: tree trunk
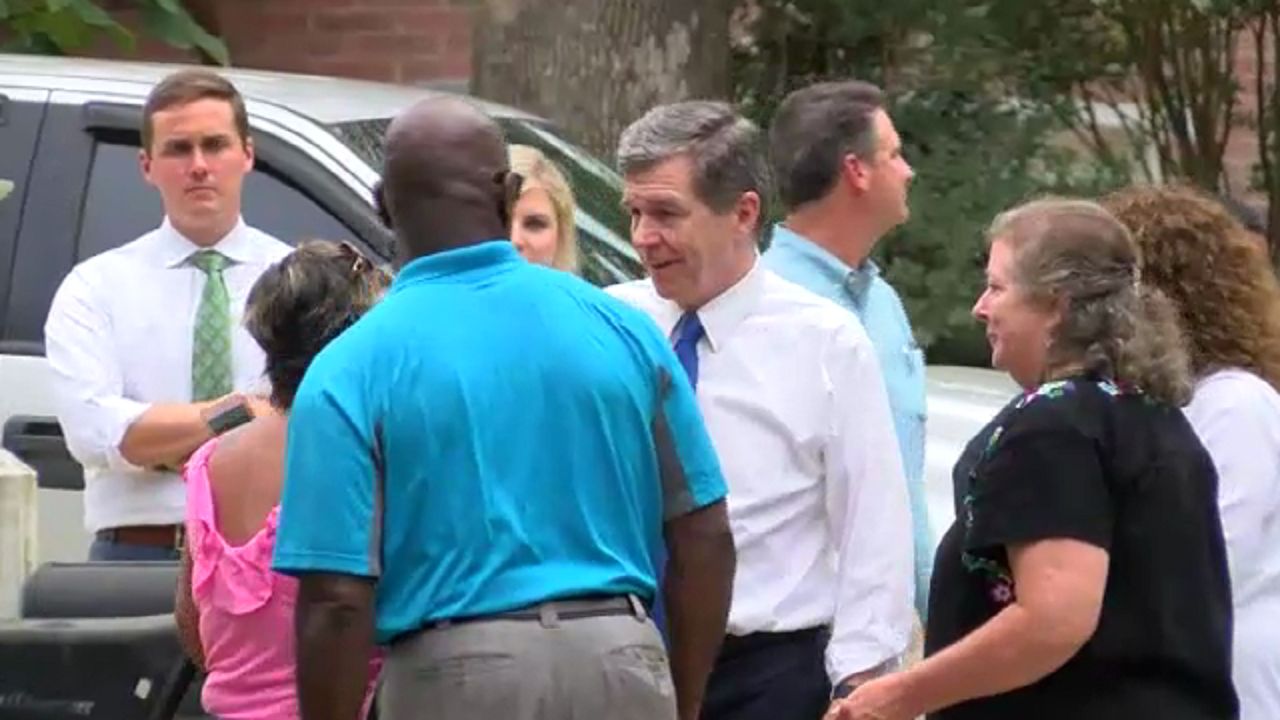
x,y
593,66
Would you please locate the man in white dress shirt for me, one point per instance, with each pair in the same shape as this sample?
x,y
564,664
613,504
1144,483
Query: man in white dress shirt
x,y
796,406
149,359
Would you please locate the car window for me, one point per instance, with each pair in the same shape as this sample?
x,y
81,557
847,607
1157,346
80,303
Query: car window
x,y
606,255
19,126
270,204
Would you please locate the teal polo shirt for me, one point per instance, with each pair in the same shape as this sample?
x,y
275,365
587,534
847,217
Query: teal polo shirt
x,y
493,434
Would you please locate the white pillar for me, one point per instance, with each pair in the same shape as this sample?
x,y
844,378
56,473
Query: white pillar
x,y
18,497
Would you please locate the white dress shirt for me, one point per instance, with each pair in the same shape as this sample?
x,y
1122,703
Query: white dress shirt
x,y
792,395
1236,414
118,339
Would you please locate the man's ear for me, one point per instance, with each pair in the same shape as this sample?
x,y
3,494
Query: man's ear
x,y
380,205
510,184
855,171
144,164
748,210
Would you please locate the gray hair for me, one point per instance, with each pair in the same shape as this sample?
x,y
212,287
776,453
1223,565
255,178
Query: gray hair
x,y
1075,253
727,151
814,128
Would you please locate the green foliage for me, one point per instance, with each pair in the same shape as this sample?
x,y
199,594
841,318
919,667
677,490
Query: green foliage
x,y
64,26
975,151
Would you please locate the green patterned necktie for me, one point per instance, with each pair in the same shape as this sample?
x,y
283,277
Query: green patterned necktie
x,y
211,341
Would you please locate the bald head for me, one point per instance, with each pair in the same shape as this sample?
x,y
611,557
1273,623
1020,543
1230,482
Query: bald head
x,y
444,180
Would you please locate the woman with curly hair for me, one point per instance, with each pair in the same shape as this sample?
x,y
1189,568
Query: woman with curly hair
x,y
1228,298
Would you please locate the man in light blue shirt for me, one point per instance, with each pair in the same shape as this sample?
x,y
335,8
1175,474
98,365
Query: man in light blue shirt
x,y
843,180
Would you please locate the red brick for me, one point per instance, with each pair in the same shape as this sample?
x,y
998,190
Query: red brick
x,y
417,70
352,20
442,20
393,44
457,66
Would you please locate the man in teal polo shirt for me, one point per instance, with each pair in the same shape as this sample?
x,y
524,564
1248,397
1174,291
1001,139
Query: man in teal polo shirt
x,y
843,180
480,472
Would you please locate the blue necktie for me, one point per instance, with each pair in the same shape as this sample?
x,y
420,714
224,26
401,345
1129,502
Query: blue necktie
x,y
684,339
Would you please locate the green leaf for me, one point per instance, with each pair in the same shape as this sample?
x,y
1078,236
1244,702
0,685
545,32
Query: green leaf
x,y
180,30
4,9
91,14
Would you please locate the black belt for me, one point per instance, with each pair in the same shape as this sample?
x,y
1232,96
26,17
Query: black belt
x,y
742,644
161,536
550,613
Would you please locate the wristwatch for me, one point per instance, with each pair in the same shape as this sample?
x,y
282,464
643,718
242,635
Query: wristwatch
x,y
228,415
843,690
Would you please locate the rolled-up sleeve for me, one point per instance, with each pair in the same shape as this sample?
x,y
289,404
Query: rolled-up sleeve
x,y
331,502
88,383
868,513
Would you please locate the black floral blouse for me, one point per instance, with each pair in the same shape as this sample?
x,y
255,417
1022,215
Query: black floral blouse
x,y
1088,459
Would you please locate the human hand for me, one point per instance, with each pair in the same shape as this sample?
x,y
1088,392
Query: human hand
x,y
879,699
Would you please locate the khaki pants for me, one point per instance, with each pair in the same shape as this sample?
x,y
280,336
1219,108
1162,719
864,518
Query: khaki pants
x,y
590,668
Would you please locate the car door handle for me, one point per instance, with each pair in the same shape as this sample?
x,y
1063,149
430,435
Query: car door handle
x,y
37,440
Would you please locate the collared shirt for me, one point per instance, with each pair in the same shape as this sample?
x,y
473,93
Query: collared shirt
x,y
118,339
863,291
791,391
493,434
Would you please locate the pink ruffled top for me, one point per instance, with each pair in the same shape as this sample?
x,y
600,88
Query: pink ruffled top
x,y
246,611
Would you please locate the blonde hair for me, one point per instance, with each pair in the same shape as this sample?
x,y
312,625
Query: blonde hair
x,y
1076,254
539,172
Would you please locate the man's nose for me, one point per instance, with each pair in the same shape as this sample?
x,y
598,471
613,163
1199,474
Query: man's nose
x,y
199,164
644,233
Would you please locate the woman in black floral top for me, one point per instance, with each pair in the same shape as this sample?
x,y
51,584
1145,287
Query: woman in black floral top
x,y
1085,575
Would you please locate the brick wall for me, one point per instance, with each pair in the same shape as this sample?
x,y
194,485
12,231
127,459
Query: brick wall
x,y
400,41
1242,149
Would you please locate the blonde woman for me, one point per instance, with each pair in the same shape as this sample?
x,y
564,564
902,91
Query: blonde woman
x,y
542,226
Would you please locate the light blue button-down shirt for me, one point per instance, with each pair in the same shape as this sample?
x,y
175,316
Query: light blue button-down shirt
x,y
878,306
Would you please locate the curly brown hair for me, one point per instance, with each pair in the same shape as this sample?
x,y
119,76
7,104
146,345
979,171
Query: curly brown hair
x,y
1219,278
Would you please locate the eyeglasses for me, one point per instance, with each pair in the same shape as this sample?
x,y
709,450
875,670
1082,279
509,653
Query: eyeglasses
x,y
359,263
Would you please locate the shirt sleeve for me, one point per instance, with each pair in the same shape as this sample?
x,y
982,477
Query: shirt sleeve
x,y
1043,479
331,503
88,382
687,461
1237,426
868,511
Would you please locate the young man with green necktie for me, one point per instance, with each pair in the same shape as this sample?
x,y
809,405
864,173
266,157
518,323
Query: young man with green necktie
x,y
148,356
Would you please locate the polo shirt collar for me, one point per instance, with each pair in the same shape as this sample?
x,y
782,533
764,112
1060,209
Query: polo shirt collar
x,y
490,254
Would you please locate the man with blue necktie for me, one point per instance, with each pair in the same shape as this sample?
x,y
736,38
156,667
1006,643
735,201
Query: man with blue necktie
x,y
791,392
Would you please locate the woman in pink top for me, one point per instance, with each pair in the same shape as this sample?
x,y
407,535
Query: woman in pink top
x,y
235,615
